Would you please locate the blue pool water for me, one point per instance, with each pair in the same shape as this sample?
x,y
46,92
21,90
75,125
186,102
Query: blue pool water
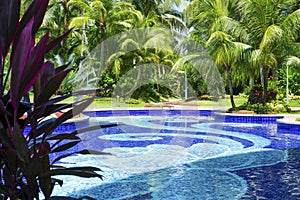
x,y
178,154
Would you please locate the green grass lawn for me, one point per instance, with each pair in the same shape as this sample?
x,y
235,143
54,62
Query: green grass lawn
x,y
111,103
294,103
222,102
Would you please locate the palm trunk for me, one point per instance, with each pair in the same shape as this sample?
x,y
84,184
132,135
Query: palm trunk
x,y
158,71
163,71
158,76
264,83
102,47
229,79
84,37
251,81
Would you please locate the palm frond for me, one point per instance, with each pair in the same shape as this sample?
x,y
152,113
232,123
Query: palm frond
x,y
232,27
80,5
291,25
272,36
184,60
130,44
79,21
206,67
175,22
240,52
98,6
259,58
218,39
113,57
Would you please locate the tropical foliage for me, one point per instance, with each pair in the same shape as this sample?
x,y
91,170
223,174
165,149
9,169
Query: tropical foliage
x,y
27,140
247,37
250,41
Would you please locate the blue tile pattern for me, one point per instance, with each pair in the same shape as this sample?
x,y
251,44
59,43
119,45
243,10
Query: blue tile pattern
x,y
184,156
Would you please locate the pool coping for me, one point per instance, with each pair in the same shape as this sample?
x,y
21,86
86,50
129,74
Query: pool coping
x,y
219,110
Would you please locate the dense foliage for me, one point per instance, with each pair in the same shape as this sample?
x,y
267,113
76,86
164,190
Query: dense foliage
x,y
250,41
27,140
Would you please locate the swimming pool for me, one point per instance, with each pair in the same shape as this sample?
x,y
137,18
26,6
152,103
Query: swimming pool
x,y
185,154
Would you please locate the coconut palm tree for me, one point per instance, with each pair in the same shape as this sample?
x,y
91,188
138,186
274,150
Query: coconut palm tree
x,y
226,54
57,20
215,28
164,11
273,30
145,45
102,17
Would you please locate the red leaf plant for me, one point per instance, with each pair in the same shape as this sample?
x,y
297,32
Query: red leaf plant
x,y
25,164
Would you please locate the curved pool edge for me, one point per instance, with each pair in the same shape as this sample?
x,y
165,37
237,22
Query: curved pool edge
x,y
288,125
247,118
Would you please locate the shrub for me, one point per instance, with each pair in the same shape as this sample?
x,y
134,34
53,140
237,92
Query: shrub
x,y
259,108
25,165
256,95
271,95
106,86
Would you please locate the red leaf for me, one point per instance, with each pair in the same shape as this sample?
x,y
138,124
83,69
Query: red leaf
x,y
56,41
47,72
51,87
37,11
34,65
21,54
9,20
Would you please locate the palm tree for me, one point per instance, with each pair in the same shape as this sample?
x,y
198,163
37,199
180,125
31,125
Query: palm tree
x,y
215,29
57,20
272,28
163,11
226,54
145,45
102,17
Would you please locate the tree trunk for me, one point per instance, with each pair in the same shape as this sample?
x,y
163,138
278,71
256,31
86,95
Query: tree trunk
x,y
264,83
103,28
158,75
251,81
65,29
230,86
84,37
